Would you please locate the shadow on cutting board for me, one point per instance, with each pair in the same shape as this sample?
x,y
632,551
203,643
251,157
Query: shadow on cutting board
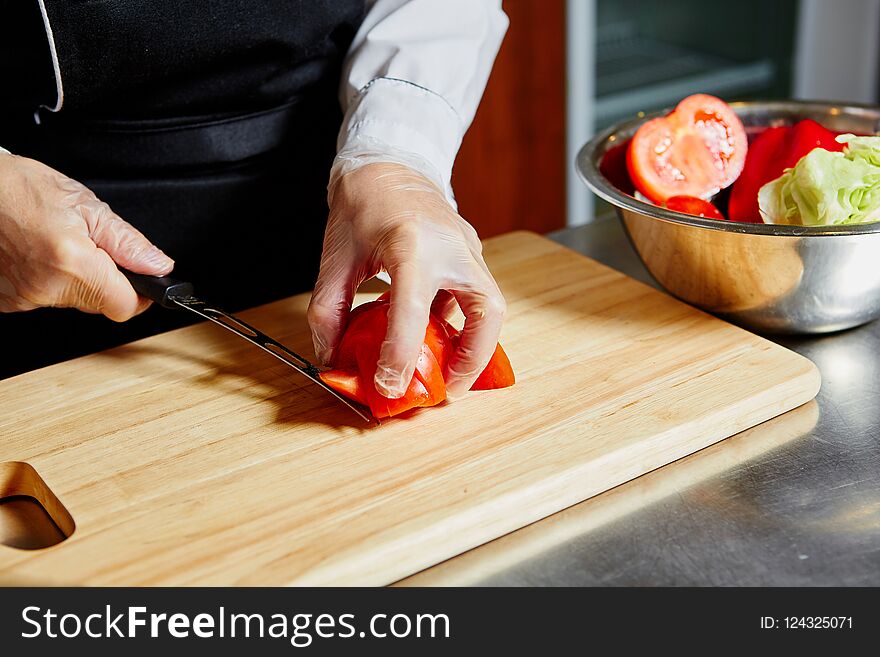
x,y
239,369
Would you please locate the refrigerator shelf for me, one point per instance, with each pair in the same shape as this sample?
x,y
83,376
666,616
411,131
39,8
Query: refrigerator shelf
x,y
635,73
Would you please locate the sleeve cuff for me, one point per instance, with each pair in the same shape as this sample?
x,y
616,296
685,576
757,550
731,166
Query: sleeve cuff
x,y
404,118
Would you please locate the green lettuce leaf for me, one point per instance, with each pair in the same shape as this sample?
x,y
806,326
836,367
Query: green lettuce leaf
x,y
861,148
826,188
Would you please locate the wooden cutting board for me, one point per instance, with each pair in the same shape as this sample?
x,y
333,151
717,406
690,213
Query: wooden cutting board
x,y
193,458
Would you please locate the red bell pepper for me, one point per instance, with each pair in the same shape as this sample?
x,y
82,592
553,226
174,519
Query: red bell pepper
x,y
354,363
773,151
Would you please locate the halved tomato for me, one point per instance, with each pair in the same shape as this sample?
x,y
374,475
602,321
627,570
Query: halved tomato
x,y
498,372
697,150
693,206
355,359
346,382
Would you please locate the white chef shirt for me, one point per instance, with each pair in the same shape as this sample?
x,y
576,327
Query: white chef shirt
x,y
412,78
414,75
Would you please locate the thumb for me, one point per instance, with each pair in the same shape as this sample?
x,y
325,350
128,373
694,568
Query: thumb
x,y
329,308
124,243
100,287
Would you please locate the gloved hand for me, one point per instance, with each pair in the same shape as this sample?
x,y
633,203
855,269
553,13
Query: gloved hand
x,y
388,216
59,245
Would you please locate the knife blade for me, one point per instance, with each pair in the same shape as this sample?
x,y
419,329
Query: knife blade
x,y
172,293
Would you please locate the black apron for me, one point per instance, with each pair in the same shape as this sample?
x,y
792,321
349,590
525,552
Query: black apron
x,y
210,126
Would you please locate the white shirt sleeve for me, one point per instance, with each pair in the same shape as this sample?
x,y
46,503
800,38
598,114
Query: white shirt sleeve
x,y
413,78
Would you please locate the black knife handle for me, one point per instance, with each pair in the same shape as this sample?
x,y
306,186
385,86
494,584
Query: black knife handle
x,y
160,289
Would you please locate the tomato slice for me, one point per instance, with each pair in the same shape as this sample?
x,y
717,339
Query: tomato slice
x,y
697,150
429,372
693,206
356,356
358,352
346,382
498,373
416,394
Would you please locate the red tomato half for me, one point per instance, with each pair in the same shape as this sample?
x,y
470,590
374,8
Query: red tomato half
x,y
358,352
498,372
346,382
693,206
696,150
355,361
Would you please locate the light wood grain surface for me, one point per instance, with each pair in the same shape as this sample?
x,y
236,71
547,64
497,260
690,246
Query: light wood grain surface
x,y
637,496
193,458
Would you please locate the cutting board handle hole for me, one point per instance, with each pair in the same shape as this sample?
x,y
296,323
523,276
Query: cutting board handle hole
x,y
31,516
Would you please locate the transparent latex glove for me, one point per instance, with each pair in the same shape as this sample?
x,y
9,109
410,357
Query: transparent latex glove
x,y
59,245
388,216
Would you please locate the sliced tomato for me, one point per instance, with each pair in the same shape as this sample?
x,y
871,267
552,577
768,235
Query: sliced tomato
x,y
416,394
364,323
356,357
693,206
772,152
429,372
498,373
697,150
346,382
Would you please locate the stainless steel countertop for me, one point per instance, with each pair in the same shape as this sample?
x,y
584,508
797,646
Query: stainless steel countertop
x,y
794,501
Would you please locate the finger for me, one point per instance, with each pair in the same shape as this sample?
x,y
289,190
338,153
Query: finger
x,y
444,305
125,244
484,314
143,305
408,312
99,286
329,308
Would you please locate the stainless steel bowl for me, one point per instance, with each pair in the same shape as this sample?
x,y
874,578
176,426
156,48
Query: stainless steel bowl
x,y
778,279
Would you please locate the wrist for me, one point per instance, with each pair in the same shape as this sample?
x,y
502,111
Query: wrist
x,y
402,122
365,151
373,182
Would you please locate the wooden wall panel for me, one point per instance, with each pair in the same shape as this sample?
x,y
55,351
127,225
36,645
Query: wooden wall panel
x,y
510,172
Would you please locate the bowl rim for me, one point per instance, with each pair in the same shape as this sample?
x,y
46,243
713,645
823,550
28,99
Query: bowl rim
x,y
588,169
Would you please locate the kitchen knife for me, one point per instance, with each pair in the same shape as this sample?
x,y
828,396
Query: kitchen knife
x,y
172,293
